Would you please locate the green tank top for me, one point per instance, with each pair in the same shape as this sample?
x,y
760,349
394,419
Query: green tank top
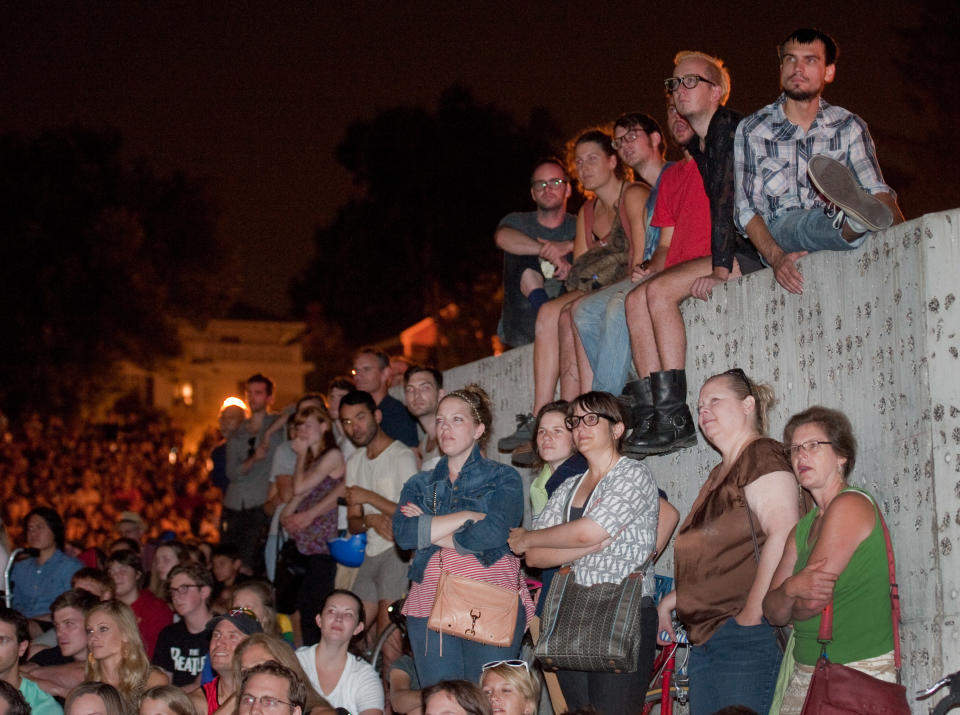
x,y
862,626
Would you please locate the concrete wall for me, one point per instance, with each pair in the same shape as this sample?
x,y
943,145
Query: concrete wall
x,y
874,334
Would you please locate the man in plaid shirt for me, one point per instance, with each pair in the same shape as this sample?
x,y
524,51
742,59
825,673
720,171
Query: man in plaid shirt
x,y
806,172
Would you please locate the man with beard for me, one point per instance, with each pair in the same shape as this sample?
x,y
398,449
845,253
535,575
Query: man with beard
x,y
422,390
807,177
537,247
376,474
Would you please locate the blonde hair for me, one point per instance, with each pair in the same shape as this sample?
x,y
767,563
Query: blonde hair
x,y
718,70
520,678
264,591
281,652
134,664
173,696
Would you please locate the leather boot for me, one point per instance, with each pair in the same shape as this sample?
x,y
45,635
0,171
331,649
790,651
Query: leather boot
x,y
673,426
637,403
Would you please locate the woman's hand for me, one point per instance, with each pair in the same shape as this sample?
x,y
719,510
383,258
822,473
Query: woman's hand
x,y
296,522
812,585
411,510
665,623
299,445
516,540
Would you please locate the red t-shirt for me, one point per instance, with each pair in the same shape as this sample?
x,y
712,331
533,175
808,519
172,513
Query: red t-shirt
x,y
682,203
153,615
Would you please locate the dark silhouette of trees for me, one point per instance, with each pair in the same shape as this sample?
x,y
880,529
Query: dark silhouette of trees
x,y
430,188
97,259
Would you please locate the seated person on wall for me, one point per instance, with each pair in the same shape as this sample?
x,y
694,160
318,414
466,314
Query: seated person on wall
x,y
601,252
600,327
699,86
807,176
683,215
537,247
226,565
372,373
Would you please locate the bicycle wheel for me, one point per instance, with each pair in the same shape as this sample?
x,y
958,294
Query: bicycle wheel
x,y
947,704
375,655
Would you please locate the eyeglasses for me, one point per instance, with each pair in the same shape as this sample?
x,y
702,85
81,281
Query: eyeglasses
x,y
590,419
540,186
267,702
688,80
182,590
627,138
809,447
509,663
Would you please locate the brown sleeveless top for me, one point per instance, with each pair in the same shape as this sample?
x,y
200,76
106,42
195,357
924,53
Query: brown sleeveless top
x,y
714,560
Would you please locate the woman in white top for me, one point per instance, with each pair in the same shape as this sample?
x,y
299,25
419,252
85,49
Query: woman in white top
x,y
604,522
345,680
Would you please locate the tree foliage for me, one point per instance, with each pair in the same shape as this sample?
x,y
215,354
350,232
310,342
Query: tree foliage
x,y
431,187
97,259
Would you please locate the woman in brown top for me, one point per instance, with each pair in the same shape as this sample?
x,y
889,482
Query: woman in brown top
x,y
721,574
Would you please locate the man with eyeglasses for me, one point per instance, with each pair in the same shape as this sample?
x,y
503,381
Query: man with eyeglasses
x,y
699,86
807,176
271,688
249,455
183,646
537,246
599,318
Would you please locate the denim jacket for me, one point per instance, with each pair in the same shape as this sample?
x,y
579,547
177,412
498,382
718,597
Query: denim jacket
x,y
486,486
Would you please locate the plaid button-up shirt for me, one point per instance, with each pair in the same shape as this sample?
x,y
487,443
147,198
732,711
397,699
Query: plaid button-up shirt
x,y
771,155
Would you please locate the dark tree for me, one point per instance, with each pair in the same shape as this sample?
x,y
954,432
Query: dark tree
x,y
97,259
431,188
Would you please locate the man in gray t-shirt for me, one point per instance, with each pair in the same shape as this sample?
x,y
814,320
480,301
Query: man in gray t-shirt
x,y
534,241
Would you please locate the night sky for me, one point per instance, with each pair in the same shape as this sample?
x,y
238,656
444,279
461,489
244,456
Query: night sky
x,y
254,97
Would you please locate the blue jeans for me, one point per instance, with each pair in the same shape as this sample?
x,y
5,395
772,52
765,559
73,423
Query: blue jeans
x,y
461,659
809,230
738,665
602,325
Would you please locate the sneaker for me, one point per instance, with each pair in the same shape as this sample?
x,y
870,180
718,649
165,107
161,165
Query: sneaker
x,y
838,184
522,436
524,456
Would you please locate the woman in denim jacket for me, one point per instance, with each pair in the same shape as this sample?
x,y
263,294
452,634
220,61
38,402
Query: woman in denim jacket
x,y
459,515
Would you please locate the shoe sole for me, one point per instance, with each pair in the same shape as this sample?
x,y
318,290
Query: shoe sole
x,y
836,182
641,452
507,447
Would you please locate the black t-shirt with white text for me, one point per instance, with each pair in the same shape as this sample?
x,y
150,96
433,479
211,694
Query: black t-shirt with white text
x,y
181,652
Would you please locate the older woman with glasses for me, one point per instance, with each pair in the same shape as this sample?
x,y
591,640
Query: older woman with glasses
x,y
836,555
728,547
604,522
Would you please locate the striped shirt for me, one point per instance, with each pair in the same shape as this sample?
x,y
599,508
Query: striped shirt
x,y
771,155
504,573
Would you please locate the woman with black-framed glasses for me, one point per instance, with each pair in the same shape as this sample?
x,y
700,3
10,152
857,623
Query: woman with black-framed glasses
x,y
728,547
604,523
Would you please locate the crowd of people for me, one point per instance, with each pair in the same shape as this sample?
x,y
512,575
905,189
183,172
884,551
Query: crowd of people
x,y
154,582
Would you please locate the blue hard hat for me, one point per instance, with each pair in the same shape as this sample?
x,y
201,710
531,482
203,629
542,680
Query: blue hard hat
x,y
348,550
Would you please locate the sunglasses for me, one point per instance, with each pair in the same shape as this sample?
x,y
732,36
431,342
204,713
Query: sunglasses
x,y
509,663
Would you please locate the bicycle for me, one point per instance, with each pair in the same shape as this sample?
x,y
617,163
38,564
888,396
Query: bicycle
x,y
669,673
397,621
953,696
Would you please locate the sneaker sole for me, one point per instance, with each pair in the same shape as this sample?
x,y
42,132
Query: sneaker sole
x,y
641,452
835,181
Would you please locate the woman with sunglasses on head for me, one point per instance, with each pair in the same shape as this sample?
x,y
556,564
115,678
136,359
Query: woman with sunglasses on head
x,y
728,548
835,555
603,522
457,516
510,687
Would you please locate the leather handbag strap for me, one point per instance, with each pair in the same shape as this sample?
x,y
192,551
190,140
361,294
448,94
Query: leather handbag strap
x,y
825,634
